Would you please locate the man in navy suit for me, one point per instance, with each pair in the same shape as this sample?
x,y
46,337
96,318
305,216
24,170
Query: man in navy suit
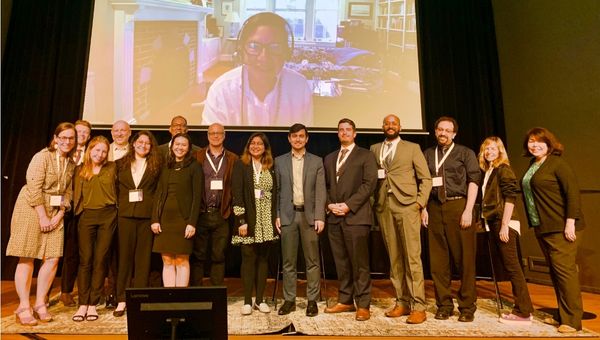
x,y
351,177
301,202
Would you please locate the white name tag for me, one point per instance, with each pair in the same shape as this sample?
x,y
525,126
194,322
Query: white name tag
x,y
56,200
258,193
437,181
216,184
381,173
136,195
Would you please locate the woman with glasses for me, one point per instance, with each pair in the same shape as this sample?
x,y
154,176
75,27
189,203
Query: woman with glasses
x,y
36,230
137,175
261,92
254,206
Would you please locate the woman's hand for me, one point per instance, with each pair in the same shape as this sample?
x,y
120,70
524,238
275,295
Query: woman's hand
x,y
156,228
190,231
570,230
45,223
56,219
504,233
243,230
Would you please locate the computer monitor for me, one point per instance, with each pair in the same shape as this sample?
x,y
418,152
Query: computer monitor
x,y
177,313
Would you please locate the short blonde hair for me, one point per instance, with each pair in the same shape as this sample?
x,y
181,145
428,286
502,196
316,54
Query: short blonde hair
x,y
502,154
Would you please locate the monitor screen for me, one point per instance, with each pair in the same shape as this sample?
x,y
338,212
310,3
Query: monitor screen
x,y
179,313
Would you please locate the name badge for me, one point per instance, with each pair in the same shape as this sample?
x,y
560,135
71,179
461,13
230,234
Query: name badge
x,y
381,173
56,200
216,184
136,195
437,181
258,193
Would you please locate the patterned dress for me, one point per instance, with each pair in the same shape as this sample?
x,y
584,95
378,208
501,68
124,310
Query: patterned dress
x,y
45,177
263,231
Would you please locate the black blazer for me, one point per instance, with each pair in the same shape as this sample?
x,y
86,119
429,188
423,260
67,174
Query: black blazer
x,y
189,192
356,185
501,187
125,183
243,196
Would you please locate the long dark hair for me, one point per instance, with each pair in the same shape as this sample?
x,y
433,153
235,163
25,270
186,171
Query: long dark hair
x,y
153,159
267,157
544,135
187,159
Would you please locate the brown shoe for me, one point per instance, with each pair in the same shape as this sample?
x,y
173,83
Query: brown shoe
x,y
397,311
363,314
67,300
416,316
340,308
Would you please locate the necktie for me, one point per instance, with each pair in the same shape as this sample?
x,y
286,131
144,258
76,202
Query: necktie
x,y
344,152
441,194
388,158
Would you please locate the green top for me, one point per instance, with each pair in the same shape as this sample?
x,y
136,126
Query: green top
x,y
534,217
99,191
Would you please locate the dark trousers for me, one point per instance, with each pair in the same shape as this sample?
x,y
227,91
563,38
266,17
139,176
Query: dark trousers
x,y
135,247
350,248
254,271
561,255
450,244
112,265
96,228
212,237
70,259
512,266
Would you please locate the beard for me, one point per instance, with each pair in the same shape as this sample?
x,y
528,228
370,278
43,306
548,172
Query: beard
x,y
391,134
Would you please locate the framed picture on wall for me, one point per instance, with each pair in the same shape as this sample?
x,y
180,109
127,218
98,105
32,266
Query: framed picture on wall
x,y
360,10
226,7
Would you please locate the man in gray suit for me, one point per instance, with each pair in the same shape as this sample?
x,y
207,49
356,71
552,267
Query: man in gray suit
x,y
301,202
402,191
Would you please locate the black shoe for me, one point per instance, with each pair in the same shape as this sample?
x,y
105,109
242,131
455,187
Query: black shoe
x,y
312,309
111,302
118,313
287,307
466,317
442,314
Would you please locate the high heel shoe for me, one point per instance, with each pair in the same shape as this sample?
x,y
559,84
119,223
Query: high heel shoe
x,y
28,320
43,317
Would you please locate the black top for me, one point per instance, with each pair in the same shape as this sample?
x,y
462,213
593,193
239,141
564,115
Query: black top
x,y
459,169
212,198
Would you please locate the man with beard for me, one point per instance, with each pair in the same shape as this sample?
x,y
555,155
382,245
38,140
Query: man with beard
x,y
448,217
403,187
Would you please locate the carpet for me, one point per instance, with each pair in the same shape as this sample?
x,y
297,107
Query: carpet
x,y
485,325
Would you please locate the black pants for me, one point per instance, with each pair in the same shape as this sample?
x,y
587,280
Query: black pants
x,y
254,271
350,248
512,266
212,237
96,228
450,244
70,259
135,247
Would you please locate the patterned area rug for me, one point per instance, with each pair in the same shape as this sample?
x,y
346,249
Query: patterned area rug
x,y
485,325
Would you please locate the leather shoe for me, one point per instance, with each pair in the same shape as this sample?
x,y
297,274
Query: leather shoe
x,y
311,309
111,302
340,308
466,317
287,308
363,314
397,311
442,314
416,316
67,300
118,313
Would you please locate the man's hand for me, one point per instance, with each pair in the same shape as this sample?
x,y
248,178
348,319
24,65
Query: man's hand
x,y
319,226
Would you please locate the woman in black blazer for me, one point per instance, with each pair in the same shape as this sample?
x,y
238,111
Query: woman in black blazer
x,y
255,210
552,203
176,210
499,192
137,175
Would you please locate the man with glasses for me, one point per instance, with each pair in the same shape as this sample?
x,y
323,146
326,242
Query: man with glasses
x,y
217,164
178,125
261,92
448,217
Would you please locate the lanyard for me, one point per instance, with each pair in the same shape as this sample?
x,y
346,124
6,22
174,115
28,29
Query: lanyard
x,y
60,173
438,165
384,155
243,97
212,165
257,172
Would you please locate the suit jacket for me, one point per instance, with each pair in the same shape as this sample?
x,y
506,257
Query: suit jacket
x,y
313,187
189,192
230,158
356,184
501,187
407,176
125,183
243,196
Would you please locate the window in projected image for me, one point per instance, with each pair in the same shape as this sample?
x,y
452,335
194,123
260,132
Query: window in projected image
x,y
151,60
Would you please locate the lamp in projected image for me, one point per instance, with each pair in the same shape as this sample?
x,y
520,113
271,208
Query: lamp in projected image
x,y
233,20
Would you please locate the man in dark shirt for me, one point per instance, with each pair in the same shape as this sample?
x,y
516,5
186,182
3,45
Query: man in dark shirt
x,y
448,217
217,164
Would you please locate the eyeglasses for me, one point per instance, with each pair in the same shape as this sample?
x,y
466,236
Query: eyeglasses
x,y
255,48
444,130
216,133
65,139
143,143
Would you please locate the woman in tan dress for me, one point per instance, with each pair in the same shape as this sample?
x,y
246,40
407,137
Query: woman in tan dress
x,y
36,230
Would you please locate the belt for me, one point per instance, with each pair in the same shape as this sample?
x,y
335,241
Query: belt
x,y
212,209
298,208
454,198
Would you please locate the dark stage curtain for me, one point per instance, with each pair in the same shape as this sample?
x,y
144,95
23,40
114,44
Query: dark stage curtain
x,y
45,63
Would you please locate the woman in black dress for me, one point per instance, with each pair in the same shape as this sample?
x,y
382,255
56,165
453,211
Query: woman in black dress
x,y
176,210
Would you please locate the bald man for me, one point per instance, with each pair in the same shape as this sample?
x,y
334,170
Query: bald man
x,y
120,133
